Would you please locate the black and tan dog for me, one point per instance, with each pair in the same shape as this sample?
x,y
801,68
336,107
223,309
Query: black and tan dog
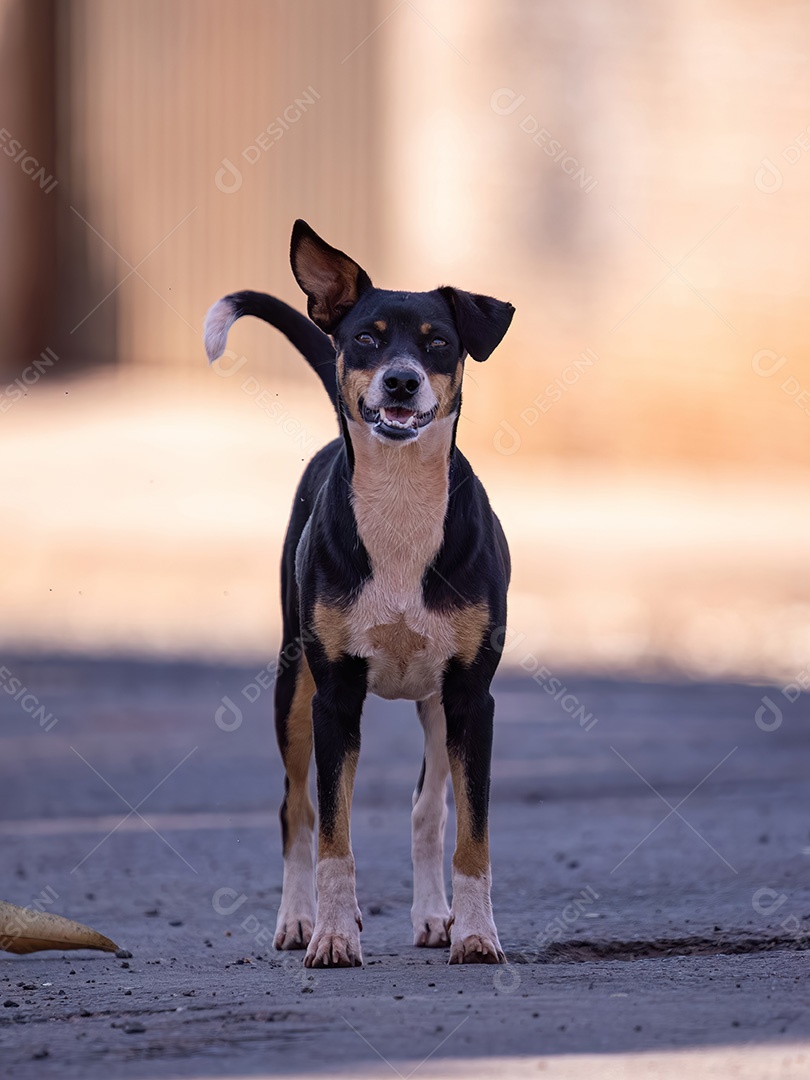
x,y
394,579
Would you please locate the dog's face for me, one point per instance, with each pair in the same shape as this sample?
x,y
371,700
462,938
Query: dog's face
x,y
399,362
400,356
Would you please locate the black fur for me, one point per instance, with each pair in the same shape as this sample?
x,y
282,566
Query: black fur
x,y
304,335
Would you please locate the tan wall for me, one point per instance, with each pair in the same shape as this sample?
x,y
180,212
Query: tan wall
x,y
406,151
669,110
162,93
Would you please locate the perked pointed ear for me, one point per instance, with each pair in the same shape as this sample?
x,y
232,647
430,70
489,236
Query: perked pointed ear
x,y
332,281
482,321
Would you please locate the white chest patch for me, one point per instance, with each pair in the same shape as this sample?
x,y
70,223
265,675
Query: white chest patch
x,y
399,496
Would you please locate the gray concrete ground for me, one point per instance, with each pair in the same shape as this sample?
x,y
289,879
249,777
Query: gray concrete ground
x,y
650,886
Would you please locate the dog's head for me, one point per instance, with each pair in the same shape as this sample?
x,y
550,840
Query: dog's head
x,y
400,356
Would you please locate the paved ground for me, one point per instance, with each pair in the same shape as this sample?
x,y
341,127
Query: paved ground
x,y
634,931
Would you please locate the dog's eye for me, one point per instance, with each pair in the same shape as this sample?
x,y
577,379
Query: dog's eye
x,y
437,343
364,339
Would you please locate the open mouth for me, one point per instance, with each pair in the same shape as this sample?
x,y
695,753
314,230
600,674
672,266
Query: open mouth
x,y
397,421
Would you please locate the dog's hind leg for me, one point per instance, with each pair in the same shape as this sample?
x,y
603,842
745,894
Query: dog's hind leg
x,y
430,912
293,701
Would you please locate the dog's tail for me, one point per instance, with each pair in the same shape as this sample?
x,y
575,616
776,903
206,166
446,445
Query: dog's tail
x,y
311,342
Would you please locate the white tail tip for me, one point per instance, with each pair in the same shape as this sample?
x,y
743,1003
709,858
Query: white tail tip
x,y
218,321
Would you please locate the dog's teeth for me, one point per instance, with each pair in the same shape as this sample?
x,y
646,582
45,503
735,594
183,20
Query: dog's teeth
x,y
392,421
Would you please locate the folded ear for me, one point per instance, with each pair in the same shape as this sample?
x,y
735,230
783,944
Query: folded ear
x,y
332,281
482,321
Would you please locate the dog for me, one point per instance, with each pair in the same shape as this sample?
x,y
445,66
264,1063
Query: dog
x,y
394,579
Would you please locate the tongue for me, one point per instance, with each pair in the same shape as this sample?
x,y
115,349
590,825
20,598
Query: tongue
x,y
402,415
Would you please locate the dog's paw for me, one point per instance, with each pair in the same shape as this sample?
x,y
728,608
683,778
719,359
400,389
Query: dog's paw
x,y
431,931
476,949
334,949
293,932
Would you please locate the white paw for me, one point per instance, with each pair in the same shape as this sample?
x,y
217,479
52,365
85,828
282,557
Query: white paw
x,y
473,937
335,948
293,931
336,938
481,948
296,913
431,931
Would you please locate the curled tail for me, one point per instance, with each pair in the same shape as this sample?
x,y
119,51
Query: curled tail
x,y
311,342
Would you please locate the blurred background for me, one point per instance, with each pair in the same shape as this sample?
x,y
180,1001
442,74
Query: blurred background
x,y
633,178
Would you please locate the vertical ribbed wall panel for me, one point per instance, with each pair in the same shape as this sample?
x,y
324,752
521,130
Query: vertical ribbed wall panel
x,y
162,94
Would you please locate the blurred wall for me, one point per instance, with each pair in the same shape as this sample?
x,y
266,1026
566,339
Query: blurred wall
x,y
632,177
28,221
635,178
190,135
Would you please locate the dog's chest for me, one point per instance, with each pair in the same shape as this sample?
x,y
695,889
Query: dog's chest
x,y
399,498
400,503
405,644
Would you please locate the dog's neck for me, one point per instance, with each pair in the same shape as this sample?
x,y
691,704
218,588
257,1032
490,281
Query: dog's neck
x,y
399,496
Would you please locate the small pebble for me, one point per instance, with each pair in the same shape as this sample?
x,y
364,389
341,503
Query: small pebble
x,y
124,954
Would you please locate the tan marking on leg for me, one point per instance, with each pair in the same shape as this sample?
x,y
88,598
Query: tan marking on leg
x,y
296,914
469,626
329,623
338,844
471,856
297,754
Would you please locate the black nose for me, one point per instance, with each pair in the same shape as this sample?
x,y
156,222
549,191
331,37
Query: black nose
x,y
402,383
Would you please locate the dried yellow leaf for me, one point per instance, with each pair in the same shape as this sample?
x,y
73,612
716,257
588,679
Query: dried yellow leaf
x,y
25,930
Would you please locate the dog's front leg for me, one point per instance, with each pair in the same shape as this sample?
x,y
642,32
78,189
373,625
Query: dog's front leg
x,y
469,709
336,709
